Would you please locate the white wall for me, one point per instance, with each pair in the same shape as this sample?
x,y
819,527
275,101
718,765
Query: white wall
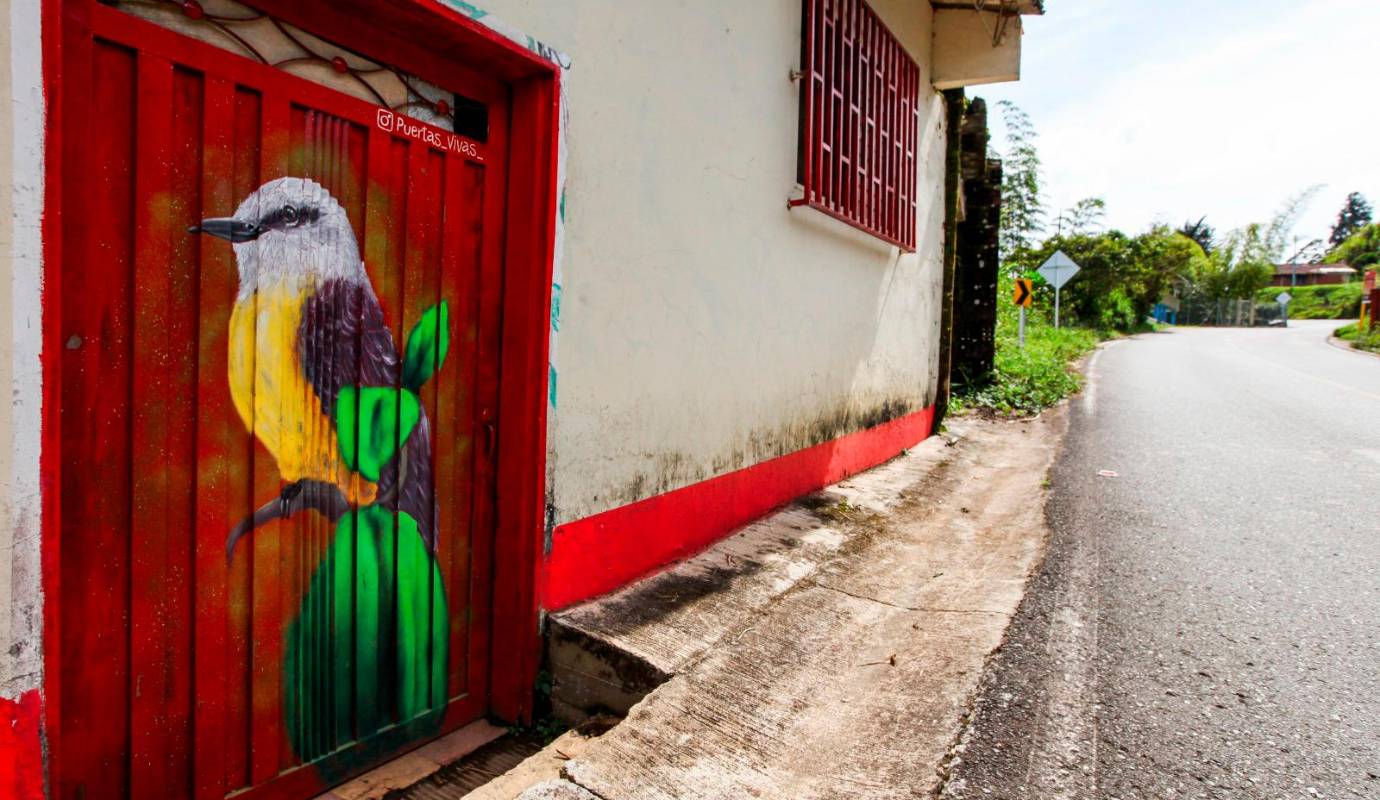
x,y
704,327
21,204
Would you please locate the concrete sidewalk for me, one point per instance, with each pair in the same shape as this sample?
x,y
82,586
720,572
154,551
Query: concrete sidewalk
x,y
844,660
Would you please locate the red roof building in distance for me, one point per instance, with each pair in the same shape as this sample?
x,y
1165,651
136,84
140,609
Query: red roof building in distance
x,y
1313,274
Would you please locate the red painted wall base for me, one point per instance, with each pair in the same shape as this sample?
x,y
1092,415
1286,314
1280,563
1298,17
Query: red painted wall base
x,y
598,554
21,748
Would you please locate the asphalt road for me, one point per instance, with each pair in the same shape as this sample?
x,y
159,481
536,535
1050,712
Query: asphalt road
x,y
1207,622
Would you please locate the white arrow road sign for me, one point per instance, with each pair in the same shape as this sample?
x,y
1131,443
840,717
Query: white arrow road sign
x,y
1283,298
1058,270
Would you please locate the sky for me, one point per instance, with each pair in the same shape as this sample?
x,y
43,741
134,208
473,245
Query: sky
x,y
1172,110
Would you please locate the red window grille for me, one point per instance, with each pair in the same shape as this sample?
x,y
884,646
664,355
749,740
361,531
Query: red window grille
x,y
859,121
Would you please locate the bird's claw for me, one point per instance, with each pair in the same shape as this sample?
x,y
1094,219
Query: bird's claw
x,y
286,497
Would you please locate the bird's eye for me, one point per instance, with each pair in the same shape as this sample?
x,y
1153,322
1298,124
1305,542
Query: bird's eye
x,y
290,215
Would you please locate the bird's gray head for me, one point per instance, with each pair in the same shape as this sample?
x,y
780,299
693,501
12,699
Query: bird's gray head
x,y
288,234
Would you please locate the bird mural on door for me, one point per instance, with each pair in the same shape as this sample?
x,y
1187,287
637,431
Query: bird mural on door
x,y
317,377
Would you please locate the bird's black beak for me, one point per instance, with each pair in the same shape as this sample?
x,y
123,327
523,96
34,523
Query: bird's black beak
x,y
229,229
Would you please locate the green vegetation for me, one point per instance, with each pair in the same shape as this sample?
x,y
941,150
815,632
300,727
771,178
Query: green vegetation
x,y
1361,249
1022,209
1342,301
1028,380
1122,277
1364,340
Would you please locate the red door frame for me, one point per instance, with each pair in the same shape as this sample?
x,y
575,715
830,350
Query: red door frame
x,y
429,39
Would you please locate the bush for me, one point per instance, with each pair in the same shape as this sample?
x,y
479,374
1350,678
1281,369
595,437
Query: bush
x,y
1116,312
1340,301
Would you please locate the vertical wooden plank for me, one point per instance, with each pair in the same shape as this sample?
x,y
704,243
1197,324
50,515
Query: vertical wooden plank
x,y
319,730
161,431
269,613
351,183
487,411
220,451
421,291
179,347
243,179
379,244
95,478
418,178
530,217
374,670
453,428
487,360
475,199
302,157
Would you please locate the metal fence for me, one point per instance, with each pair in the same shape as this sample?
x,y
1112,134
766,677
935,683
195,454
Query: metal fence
x,y
1229,313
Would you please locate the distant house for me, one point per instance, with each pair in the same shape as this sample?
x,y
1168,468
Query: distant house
x,y
1312,274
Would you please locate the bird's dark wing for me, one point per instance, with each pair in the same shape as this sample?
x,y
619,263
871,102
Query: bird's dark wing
x,y
411,474
343,341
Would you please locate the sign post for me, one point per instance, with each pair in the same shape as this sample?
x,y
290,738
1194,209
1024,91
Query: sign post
x,y
1023,297
1368,303
1283,299
1057,271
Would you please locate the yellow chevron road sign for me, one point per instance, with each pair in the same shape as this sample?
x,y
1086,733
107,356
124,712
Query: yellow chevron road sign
x,y
1025,293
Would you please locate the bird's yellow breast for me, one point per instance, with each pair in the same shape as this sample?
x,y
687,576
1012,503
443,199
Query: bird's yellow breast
x,y
274,398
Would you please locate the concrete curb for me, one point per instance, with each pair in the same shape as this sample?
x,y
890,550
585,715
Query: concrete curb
x,y
1342,344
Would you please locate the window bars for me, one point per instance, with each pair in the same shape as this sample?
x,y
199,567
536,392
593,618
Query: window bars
x,y
859,121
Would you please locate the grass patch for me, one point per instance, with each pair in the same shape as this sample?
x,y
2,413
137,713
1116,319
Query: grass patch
x,y
1339,301
1025,381
1364,340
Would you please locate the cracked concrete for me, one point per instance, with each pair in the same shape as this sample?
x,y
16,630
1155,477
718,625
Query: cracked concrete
x,y
843,670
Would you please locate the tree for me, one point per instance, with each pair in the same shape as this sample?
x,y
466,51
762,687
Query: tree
x,y
1248,257
1274,236
1355,214
1200,232
1098,295
1361,250
1161,260
1244,261
1022,211
1084,219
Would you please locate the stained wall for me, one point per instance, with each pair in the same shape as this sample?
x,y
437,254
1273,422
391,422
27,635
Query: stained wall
x,y
702,326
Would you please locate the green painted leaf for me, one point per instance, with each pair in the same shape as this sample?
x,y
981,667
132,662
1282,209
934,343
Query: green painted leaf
x,y
371,425
427,346
369,647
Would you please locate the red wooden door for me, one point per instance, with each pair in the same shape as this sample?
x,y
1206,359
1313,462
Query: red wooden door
x,y
277,461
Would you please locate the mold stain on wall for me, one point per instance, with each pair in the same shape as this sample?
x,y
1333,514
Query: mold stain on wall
x,y
673,470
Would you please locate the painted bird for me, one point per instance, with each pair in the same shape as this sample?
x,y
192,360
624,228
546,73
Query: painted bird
x,y
306,334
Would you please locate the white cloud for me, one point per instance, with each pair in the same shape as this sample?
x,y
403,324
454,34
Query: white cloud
x,y
1180,111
